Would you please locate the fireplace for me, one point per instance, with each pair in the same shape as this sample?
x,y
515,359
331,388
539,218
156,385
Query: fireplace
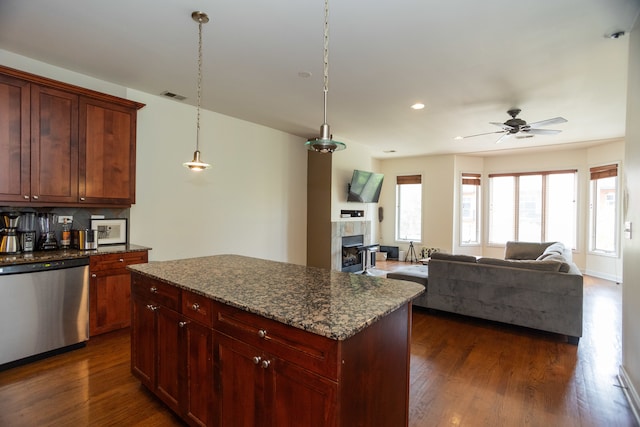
x,y
352,259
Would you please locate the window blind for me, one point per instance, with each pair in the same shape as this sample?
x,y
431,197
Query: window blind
x,y
606,171
409,179
471,178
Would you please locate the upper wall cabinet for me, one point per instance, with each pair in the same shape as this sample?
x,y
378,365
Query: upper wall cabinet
x,y
61,145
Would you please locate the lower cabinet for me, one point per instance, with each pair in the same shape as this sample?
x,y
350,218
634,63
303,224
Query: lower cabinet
x,y
255,388
217,365
110,289
172,354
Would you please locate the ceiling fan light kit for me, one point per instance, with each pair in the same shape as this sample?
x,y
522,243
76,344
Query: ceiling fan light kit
x,y
518,126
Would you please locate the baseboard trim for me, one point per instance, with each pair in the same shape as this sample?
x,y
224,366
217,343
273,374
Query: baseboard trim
x,y
599,275
630,392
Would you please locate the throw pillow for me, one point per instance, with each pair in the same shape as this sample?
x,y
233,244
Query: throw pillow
x,y
564,265
524,250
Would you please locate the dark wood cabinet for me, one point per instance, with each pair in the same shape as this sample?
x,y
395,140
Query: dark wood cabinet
x,y
110,290
219,365
171,351
62,145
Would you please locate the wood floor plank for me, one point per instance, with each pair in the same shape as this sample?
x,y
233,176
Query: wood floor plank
x,y
464,372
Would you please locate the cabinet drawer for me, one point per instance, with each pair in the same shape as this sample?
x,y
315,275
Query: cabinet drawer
x,y
313,352
197,307
155,291
117,261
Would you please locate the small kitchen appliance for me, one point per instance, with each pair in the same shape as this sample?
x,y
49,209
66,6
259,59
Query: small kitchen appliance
x,y
84,239
9,242
47,239
27,232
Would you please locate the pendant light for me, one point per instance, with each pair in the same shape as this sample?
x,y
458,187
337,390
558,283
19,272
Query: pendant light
x,y
325,144
197,164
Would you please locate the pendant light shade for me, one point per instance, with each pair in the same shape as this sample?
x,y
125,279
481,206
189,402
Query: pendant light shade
x,y
197,164
325,144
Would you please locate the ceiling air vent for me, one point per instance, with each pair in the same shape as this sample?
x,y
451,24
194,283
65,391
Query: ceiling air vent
x,y
173,95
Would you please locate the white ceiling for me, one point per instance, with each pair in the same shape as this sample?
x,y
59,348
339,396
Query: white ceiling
x,y
468,61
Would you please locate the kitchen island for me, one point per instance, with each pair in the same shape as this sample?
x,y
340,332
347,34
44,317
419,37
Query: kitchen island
x,y
236,341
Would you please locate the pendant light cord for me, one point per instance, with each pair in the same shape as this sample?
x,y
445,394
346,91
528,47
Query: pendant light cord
x,y
326,57
199,84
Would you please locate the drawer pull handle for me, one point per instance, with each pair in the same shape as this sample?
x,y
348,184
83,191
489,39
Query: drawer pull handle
x,y
195,306
153,290
182,324
256,360
152,307
121,260
35,197
82,199
26,197
262,333
94,275
265,364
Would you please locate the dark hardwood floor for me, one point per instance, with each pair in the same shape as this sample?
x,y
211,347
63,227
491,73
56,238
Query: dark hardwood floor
x,y
464,372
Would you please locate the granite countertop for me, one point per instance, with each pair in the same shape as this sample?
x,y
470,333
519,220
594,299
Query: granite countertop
x,y
329,303
61,254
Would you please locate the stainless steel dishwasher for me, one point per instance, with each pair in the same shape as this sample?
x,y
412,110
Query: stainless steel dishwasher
x,y
44,308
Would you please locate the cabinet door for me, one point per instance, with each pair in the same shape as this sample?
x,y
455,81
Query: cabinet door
x,y
239,383
54,145
169,357
14,140
297,397
109,299
107,153
198,396
143,341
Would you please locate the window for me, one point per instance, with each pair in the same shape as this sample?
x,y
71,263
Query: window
x,y
470,196
409,208
533,207
603,209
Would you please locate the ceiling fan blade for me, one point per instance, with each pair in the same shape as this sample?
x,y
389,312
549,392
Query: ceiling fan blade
x,y
486,133
503,137
502,125
542,131
554,121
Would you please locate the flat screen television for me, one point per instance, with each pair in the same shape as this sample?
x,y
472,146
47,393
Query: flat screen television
x,y
365,187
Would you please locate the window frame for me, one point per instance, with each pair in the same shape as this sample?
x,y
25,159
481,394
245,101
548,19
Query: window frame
x,y
544,200
476,180
407,180
595,173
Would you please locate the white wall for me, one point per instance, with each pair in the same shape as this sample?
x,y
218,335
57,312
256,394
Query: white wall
x,y
438,199
630,369
252,202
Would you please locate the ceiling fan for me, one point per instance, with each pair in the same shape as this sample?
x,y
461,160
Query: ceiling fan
x,y
515,126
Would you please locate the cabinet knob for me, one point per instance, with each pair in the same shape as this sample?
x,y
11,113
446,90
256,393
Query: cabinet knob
x,y
121,260
153,290
195,306
262,333
35,197
94,275
26,197
152,307
182,324
256,360
82,199
265,364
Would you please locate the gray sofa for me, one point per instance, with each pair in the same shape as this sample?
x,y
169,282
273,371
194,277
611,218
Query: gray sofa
x,y
537,286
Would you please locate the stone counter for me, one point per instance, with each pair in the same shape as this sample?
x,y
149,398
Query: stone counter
x,y
62,254
329,303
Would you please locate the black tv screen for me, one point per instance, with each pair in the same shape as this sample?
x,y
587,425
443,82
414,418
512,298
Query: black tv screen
x,y
365,187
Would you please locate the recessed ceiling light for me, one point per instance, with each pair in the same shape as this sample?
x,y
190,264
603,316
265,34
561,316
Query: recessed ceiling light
x,y
459,137
389,151
418,106
615,35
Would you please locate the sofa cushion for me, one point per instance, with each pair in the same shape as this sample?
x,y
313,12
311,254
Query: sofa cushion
x,y
564,265
451,257
524,250
544,265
